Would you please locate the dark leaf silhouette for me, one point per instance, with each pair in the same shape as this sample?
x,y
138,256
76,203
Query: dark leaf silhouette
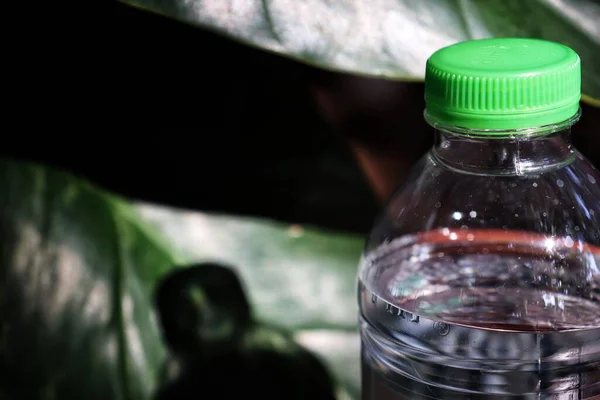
x,y
217,349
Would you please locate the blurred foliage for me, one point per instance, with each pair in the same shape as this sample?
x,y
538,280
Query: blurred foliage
x,y
96,305
76,270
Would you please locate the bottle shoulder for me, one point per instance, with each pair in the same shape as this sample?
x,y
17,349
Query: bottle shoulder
x,y
562,201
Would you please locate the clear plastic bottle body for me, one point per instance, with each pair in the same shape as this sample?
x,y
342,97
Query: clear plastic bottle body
x,y
481,279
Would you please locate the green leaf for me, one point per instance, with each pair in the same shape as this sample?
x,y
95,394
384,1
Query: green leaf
x,y
77,268
80,272
296,277
299,278
390,38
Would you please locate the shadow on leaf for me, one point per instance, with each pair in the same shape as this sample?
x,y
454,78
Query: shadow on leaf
x,y
218,351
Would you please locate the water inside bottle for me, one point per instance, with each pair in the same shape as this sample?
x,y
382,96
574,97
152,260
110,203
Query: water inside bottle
x,y
481,315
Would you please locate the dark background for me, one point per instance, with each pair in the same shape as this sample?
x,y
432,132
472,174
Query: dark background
x,y
195,120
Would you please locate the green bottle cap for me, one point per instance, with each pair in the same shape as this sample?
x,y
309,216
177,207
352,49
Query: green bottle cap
x,y
502,84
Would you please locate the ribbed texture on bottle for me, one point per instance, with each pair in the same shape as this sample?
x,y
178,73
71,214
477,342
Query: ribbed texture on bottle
x,y
505,94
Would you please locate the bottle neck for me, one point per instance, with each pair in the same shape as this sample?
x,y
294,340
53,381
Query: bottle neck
x,y
505,153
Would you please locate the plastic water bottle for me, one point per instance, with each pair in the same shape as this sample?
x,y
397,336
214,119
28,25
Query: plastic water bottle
x,y
481,278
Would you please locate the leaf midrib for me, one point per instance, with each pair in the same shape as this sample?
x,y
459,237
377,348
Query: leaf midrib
x,y
117,303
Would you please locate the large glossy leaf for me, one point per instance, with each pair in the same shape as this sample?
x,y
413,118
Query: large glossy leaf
x,y
297,277
390,38
76,272
80,273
